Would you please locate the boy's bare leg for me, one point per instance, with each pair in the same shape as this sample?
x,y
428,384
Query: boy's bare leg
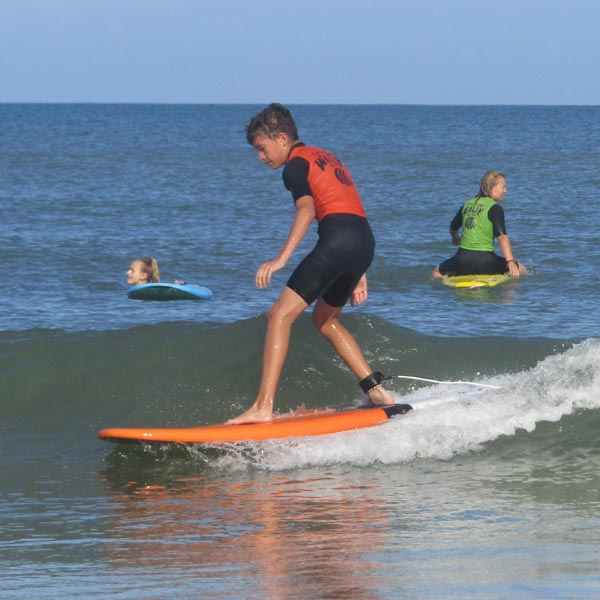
x,y
326,320
282,315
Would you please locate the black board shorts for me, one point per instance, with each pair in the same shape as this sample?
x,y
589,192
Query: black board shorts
x,y
473,262
335,265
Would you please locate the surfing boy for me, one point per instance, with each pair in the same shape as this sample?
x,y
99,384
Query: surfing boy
x,y
482,220
331,274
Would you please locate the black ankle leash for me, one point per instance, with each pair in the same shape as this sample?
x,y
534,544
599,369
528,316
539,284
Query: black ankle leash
x,y
372,381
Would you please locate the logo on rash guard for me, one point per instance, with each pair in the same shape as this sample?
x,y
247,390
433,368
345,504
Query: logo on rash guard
x,y
343,176
341,173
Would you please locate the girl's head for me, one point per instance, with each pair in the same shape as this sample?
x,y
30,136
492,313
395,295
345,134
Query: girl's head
x,y
492,185
271,121
143,270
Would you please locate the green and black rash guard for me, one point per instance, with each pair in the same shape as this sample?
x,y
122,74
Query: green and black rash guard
x,y
482,220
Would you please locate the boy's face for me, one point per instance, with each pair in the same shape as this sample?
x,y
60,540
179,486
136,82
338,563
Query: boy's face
x,y
273,151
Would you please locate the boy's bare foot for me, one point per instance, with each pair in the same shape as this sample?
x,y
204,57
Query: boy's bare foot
x,y
252,415
379,396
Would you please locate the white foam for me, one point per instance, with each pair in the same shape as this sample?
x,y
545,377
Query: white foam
x,y
448,420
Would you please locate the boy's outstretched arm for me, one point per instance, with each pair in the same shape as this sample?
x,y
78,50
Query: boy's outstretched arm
x,y
305,214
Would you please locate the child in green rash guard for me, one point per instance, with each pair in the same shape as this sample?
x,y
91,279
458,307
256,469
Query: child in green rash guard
x,y
482,220
332,274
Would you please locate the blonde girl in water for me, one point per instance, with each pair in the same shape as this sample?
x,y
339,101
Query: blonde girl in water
x,y
143,270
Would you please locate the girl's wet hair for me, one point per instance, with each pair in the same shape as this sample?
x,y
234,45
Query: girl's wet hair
x,y
150,267
488,181
274,119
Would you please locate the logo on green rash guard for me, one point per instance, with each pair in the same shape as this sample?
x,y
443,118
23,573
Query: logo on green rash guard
x,y
469,223
478,231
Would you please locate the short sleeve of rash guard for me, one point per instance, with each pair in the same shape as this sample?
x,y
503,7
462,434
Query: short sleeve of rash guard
x,y
496,216
295,177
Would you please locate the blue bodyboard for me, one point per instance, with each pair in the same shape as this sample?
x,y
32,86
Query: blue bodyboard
x,y
169,291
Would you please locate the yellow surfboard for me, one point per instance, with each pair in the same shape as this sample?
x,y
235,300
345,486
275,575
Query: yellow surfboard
x,y
474,281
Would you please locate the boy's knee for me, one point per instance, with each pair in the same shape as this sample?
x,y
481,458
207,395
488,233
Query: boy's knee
x,y
318,319
279,312
275,312
323,324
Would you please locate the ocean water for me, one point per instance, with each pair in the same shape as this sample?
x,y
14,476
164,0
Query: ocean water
x,y
482,492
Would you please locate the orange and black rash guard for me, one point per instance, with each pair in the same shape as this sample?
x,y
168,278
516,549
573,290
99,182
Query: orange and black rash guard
x,y
314,172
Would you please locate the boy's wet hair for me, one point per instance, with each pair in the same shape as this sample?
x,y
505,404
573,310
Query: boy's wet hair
x,y
274,119
488,181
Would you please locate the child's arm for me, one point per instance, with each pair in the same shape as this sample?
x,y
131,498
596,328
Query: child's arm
x,y
305,215
455,227
513,265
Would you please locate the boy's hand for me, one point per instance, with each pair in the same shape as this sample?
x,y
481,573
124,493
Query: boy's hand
x,y
266,270
360,293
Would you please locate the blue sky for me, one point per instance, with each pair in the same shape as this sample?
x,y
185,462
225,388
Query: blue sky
x,y
301,51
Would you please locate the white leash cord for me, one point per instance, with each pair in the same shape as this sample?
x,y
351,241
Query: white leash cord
x,y
495,387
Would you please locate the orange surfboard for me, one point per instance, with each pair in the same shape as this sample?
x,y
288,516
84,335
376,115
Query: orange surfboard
x,y
318,422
